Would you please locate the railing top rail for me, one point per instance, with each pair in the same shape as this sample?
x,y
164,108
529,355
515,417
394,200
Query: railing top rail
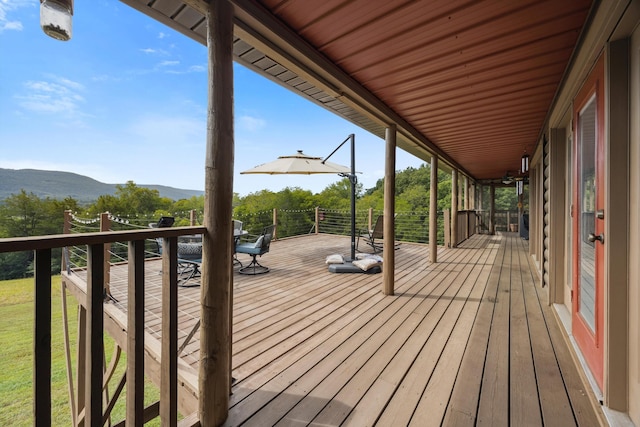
x,y
17,244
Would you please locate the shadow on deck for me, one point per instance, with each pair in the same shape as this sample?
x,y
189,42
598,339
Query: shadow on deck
x,y
465,341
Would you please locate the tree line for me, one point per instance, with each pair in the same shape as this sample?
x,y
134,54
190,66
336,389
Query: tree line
x,y
25,214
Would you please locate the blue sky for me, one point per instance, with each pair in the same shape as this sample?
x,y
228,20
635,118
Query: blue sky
x,y
126,99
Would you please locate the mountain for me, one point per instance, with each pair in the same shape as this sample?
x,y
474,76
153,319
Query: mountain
x,y
58,185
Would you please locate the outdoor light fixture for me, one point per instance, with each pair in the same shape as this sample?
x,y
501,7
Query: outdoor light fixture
x,y
525,162
507,179
55,18
519,187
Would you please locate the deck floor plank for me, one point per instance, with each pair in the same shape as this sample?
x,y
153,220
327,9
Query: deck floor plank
x,y
554,402
524,407
493,407
463,403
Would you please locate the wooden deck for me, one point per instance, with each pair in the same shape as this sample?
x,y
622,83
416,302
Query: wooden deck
x,y
465,341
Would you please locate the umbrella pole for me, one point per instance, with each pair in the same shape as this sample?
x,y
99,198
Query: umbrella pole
x,y
348,267
354,180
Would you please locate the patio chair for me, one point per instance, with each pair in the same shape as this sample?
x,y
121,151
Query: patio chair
x,y
189,254
255,248
375,237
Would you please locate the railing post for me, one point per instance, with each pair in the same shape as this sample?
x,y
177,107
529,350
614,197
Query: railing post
x,y
135,335
317,219
275,221
105,225
42,339
193,218
81,360
95,339
467,230
66,229
370,220
169,351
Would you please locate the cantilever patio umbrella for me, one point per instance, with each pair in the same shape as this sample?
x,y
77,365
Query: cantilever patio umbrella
x,y
303,164
300,164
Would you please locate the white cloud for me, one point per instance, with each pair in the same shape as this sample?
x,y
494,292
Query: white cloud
x,y
11,25
56,95
168,63
156,52
8,6
251,124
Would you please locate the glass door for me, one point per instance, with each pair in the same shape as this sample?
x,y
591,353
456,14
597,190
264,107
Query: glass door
x,y
588,221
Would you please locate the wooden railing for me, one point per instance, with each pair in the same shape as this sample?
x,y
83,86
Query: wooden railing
x,y
93,412
467,221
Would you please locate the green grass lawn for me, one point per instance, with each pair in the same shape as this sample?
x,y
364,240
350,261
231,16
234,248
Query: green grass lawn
x,y
16,355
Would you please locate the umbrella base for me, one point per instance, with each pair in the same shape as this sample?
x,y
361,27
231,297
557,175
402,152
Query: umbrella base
x,y
347,267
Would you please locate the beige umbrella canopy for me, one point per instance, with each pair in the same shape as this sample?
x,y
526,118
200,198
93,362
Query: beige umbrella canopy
x,y
300,164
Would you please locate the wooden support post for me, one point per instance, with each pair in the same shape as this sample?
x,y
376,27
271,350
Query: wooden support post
x,y
214,380
317,219
447,227
193,217
42,339
454,208
135,335
105,225
433,211
370,219
389,238
466,193
492,209
472,196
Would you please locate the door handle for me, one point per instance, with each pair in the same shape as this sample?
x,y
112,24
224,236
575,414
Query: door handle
x,y
592,238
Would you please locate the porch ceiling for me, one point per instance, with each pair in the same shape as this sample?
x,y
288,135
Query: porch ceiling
x,y
469,80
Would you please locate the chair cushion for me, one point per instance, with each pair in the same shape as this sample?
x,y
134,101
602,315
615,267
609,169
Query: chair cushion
x,y
258,242
247,248
189,249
